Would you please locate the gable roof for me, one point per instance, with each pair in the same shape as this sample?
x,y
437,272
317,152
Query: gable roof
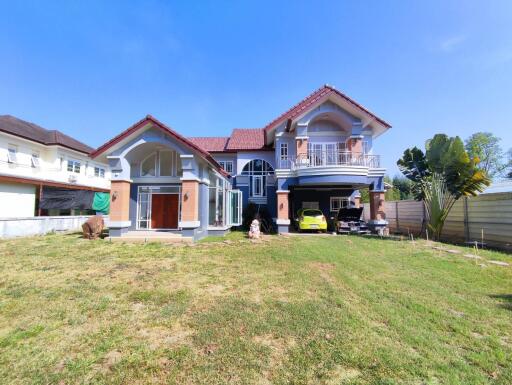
x,y
246,139
211,144
35,133
310,100
241,139
161,126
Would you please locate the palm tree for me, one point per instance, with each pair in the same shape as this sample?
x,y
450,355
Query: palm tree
x,y
441,176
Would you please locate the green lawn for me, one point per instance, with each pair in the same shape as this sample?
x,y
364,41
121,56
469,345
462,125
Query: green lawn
x,y
287,310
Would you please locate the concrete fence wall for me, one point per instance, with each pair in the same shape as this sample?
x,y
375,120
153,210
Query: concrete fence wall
x,y
487,217
18,227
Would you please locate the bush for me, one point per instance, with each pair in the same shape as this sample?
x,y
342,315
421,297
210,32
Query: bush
x,y
253,211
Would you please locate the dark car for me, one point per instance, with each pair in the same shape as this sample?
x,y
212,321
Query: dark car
x,y
348,221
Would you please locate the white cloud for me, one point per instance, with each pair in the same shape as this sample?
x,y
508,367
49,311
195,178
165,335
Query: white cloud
x,y
450,43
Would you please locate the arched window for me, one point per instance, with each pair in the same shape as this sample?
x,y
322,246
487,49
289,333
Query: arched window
x,y
257,170
148,166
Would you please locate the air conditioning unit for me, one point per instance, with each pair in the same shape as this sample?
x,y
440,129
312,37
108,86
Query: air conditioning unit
x,y
72,179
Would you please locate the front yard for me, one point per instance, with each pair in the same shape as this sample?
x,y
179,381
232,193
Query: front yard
x,y
301,310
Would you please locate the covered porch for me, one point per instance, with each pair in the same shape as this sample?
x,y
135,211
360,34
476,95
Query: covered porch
x,y
328,194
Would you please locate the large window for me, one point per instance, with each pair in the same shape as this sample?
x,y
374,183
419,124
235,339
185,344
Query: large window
x,y
216,198
148,166
163,163
258,170
168,163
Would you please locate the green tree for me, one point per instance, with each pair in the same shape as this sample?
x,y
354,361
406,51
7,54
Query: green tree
x,y
442,175
392,194
404,187
508,173
486,147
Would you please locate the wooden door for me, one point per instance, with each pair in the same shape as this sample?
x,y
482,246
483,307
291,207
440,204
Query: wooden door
x,y
164,211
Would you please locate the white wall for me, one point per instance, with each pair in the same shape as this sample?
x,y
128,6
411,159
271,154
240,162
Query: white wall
x,y
17,200
20,227
53,163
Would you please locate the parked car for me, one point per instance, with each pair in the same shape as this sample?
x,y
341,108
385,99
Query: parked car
x,y
348,221
311,219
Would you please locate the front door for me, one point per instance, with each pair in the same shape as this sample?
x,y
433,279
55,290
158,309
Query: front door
x,y
164,211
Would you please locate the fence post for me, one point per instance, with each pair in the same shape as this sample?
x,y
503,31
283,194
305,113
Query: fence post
x,y
466,220
396,215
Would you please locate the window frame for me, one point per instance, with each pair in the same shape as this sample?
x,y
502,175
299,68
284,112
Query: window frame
x,y
100,173
74,163
283,147
224,164
156,165
340,205
35,160
12,154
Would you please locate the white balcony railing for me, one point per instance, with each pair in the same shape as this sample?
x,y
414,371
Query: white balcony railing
x,y
330,159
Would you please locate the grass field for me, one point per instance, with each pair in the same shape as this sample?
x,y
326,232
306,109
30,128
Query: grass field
x,y
287,310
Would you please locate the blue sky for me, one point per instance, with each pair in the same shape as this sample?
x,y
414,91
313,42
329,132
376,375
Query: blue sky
x,y
93,68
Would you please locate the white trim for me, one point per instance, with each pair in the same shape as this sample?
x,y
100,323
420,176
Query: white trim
x,y
219,228
157,179
185,179
187,156
282,191
334,170
119,224
282,221
189,224
377,222
121,180
301,137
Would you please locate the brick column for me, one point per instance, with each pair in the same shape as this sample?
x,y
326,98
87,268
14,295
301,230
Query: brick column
x,y
189,204
377,206
283,211
355,146
119,207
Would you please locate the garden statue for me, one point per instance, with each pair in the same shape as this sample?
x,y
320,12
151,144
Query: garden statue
x,y
93,227
254,230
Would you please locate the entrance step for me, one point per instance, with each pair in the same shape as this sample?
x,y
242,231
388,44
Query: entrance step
x,y
151,236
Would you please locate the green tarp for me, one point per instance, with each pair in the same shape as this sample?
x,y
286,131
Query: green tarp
x,y
101,202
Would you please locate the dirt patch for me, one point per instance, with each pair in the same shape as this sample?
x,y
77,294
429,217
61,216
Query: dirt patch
x,y
341,374
278,345
158,337
325,270
111,358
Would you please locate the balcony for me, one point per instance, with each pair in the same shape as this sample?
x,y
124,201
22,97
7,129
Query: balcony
x,y
330,159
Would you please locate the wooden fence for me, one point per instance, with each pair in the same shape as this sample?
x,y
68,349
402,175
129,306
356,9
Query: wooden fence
x,y
487,217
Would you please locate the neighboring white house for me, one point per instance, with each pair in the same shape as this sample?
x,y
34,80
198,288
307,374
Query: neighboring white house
x,y
33,158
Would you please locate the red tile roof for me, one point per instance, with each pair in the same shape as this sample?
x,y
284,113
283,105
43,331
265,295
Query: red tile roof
x,y
161,126
241,139
310,100
246,139
31,131
210,144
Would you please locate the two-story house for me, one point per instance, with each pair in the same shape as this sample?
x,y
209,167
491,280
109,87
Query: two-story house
x,y
317,154
34,160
